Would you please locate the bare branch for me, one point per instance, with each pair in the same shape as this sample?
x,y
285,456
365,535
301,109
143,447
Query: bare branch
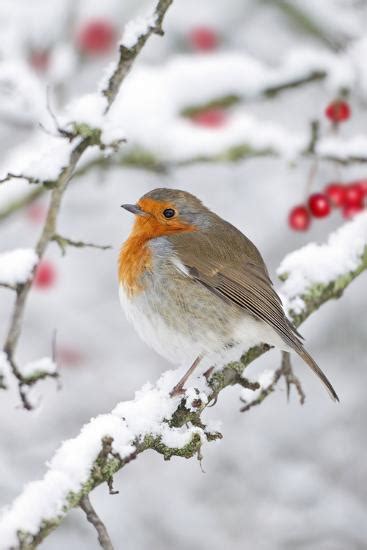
x,y
93,518
127,56
64,242
10,176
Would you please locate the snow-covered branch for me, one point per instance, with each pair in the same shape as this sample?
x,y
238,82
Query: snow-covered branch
x,y
182,87
174,426
92,127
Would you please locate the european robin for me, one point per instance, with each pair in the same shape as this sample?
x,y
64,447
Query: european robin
x,y
195,287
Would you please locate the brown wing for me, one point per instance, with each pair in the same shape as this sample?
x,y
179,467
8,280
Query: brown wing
x,y
233,269
237,274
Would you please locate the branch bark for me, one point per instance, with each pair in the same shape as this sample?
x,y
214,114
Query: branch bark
x,y
93,518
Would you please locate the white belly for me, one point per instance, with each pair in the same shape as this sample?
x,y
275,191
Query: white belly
x,y
152,329
182,347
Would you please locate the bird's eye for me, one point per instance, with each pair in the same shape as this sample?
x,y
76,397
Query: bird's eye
x,y
169,213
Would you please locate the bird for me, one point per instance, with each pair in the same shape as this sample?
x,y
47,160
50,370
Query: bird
x,y
195,287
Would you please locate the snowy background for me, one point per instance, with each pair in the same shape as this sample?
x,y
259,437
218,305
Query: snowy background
x,y
284,476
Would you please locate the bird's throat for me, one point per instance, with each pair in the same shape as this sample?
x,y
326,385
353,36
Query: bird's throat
x,y
135,258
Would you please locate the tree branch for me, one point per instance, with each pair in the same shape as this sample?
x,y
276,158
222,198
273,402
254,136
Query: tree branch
x,y
127,55
93,518
64,242
84,138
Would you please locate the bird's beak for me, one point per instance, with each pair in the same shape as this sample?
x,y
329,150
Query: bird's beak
x,y
134,209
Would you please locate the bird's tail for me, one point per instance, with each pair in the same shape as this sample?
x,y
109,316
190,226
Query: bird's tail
x,y
316,369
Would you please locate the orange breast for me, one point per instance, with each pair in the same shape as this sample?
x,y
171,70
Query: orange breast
x,y
135,257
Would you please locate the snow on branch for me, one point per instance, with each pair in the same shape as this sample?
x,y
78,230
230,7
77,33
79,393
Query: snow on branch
x,y
174,96
319,272
87,124
16,266
173,426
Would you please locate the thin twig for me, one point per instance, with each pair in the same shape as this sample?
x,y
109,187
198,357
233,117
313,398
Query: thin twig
x,y
291,378
93,518
284,370
64,242
10,176
127,55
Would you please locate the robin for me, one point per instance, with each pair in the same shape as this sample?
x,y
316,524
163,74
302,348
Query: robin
x,y
195,287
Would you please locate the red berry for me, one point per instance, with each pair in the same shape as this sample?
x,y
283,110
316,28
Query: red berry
x,y
349,211
299,218
96,37
39,60
338,111
336,194
68,356
354,195
45,275
363,185
212,118
319,205
36,212
203,38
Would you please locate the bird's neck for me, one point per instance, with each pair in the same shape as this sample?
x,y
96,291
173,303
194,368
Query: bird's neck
x,y
135,256
134,259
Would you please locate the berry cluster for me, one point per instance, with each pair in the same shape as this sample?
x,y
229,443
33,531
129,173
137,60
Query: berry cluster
x,y
350,198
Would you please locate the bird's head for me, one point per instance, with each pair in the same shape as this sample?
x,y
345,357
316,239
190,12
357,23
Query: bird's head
x,y
166,211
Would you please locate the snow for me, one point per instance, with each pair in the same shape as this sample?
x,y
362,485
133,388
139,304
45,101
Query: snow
x,y
88,109
192,395
44,365
264,379
22,96
5,368
343,148
129,422
181,82
135,28
16,266
316,264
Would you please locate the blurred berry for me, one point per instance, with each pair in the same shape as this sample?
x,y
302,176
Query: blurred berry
x,y
211,118
45,275
338,111
96,37
319,205
336,194
363,185
39,60
68,356
299,218
350,211
36,212
354,195
203,39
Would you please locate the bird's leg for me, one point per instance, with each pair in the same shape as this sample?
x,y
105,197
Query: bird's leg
x,y
178,389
